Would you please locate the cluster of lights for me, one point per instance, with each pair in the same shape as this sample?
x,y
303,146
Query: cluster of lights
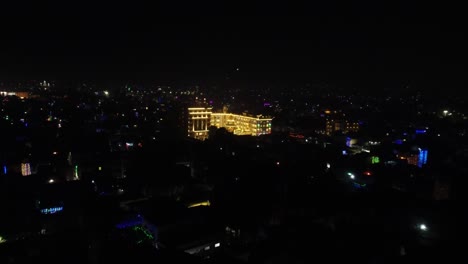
x,y
25,169
375,160
144,231
52,210
351,175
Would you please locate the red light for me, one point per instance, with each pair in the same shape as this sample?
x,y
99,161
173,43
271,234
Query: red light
x,y
368,173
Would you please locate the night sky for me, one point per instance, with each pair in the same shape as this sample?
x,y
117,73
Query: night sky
x,y
361,43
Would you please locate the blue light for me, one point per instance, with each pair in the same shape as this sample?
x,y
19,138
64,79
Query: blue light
x,y
348,142
359,186
422,159
52,210
420,131
398,142
5,169
130,223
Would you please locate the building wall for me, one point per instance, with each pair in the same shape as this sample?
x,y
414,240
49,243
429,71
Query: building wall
x,y
242,124
344,125
201,118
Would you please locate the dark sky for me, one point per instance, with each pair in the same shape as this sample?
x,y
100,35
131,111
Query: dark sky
x,y
206,41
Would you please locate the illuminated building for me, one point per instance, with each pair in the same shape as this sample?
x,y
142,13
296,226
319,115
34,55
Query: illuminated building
x,y
242,124
417,159
201,118
340,125
25,169
198,122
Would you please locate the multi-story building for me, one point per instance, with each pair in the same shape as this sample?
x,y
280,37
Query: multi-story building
x,y
345,126
201,118
242,124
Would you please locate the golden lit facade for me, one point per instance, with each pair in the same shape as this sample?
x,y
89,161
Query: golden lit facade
x,y
199,120
340,125
242,124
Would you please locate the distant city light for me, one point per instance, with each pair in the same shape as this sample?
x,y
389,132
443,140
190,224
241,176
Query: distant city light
x,y
106,93
52,210
51,181
277,163
368,173
217,245
351,175
348,142
54,153
131,223
25,169
205,203
422,227
375,160
422,158
145,231
328,166
2,240
75,172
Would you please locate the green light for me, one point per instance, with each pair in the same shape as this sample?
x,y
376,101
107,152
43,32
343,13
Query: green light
x,y
375,160
145,231
100,168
